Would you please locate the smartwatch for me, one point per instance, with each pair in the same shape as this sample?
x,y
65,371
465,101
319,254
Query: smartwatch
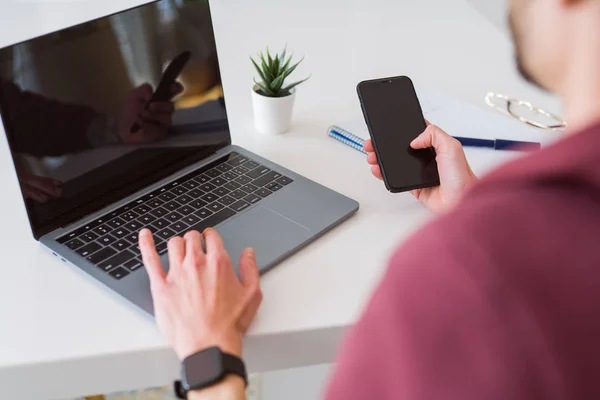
x,y
207,367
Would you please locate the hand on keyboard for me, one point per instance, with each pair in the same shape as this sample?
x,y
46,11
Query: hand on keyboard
x,y
201,302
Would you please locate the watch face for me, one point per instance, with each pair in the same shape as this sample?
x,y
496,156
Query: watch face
x,y
203,369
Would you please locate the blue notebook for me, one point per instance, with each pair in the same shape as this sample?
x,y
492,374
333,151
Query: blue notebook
x,y
346,137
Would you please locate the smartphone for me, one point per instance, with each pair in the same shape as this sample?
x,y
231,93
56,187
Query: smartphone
x,y
394,118
168,78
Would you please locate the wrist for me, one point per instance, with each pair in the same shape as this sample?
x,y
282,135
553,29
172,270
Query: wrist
x,y
232,387
231,346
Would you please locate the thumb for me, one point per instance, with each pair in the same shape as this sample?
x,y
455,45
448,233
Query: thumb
x,y
433,137
249,274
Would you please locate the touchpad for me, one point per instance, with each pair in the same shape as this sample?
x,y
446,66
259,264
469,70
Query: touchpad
x,y
271,235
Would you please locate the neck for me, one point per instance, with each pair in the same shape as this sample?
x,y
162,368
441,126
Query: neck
x,y
580,86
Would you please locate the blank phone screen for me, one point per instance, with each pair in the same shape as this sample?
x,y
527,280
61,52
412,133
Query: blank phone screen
x,y
393,114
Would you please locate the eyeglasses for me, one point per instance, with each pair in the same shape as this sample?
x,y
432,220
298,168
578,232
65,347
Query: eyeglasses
x,y
525,112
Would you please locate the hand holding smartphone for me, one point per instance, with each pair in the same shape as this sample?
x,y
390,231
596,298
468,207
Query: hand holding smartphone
x,y
394,117
169,77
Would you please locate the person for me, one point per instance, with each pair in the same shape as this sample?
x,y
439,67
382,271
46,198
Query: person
x,y
39,126
498,298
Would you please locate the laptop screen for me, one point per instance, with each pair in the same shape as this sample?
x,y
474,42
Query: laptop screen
x,y
75,105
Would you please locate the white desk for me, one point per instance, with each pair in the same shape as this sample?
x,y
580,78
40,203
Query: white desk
x,y
62,335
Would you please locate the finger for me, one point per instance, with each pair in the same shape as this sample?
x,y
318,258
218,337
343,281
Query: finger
x,y
176,248
161,107
434,137
251,309
249,274
376,171
176,89
368,146
193,247
151,258
143,92
45,185
427,123
214,243
372,159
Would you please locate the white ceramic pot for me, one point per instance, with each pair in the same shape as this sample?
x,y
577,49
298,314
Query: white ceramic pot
x,y
272,115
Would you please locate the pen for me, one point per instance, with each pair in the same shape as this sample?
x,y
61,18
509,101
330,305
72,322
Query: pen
x,y
499,144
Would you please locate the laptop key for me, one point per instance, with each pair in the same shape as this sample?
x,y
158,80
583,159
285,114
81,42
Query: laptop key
x,y
191,219
214,207
195,193
251,165
168,196
88,249
266,178
213,173
174,216
242,180
262,192
191,184
161,223
284,180
134,265
241,170
224,167
129,215
166,234
252,198
227,200
184,199
258,172
172,205
232,185
119,273
198,204
238,194
213,220
273,186
121,245
202,179
218,181
115,223
102,230
186,210
107,240
159,212
133,226
179,190
132,237
240,205
209,197
120,233
143,209
101,255
208,187
117,260
221,191
155,203
178,227
74,244
147,219
203,213
249,188
88,237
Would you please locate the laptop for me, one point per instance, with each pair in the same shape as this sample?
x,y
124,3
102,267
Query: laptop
x,y
68,101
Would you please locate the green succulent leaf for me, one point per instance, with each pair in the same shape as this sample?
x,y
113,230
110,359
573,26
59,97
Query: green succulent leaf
x,y
273,70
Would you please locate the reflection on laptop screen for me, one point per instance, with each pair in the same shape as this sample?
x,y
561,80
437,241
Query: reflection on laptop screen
x,y
69,101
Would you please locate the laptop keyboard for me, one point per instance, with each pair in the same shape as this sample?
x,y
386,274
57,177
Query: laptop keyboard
x,y
201,199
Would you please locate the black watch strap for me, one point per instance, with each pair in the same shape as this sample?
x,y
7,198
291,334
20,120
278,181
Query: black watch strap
x,y
206,368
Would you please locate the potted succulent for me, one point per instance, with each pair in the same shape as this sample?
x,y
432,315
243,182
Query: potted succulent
x,y
272,97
